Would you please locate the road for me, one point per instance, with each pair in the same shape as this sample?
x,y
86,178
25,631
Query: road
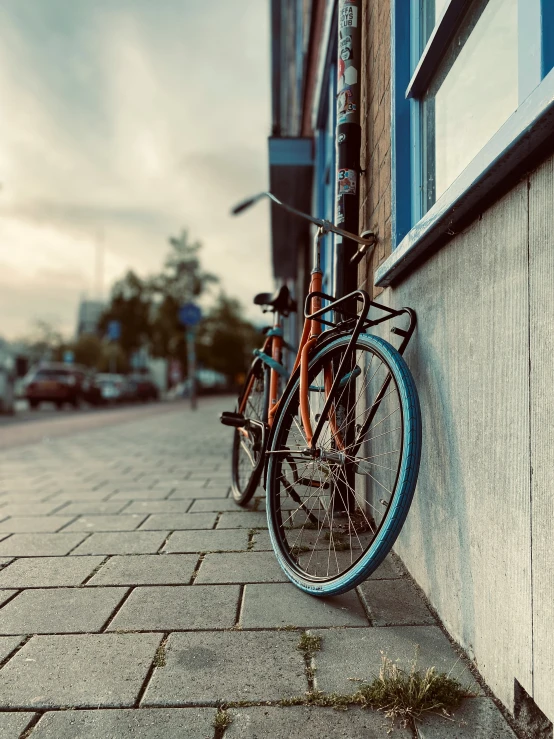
x,y
45,411
27,427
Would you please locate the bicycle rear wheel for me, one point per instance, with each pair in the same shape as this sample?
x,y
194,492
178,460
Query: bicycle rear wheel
x,y
334,515
247,441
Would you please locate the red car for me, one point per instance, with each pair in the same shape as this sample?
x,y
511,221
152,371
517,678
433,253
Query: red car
x,y
59,384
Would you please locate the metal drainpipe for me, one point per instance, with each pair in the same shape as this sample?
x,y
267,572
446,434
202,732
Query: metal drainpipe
x,y
349,65
348,140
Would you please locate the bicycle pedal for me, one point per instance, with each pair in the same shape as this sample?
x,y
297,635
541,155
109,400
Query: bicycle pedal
x,y
235,420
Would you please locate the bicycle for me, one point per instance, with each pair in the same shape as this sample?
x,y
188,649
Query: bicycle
x,y
339,447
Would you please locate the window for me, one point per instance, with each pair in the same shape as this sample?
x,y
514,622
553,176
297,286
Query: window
x,y
472,94
467,81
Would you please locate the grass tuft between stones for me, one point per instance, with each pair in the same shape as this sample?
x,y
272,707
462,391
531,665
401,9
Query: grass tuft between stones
x,y
309,644
221,721
159,657
401,695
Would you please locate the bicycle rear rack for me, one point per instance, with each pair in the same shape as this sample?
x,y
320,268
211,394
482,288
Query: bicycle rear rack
x,y
361,318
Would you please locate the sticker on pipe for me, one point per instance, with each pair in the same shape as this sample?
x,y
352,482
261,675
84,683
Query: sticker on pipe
x,y
347,182
345,46
348,17
345,104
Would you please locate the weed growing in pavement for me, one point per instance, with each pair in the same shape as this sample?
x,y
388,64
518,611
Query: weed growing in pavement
x,y
402,696
221,721
159,657
309,644
256,504
407,695
251,534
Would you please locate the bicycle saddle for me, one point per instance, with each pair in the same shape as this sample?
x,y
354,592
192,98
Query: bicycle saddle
x,y
281,301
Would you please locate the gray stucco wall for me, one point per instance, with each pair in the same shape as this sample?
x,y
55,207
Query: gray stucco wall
x,y
479,537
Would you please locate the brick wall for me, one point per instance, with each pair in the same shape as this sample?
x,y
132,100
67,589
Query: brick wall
x,y
375,183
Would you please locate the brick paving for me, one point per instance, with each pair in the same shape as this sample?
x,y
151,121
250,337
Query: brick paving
x,y
136,598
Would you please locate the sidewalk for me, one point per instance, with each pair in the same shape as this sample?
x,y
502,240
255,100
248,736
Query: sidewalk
x,y
135,591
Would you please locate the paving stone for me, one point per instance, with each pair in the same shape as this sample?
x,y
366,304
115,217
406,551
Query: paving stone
x,y
159,506
59,610
39,545
394,602
228,540
12,724
36,572
272,606
186,492
210,667
213,504
30,509
299,722
126,542
94,508
107,523
137,494
70,495
356,653
387,570
82,671
262,541
240,520
477,718
146,569
165,608
173,521
31,524
125,723
7,645
5,595
240,567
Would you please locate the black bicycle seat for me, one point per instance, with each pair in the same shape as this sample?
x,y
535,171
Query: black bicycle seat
x,y
281,301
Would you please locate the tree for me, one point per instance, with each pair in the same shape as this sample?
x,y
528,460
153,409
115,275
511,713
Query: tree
x,y
46,343
87,350
226,339
182,280
131,306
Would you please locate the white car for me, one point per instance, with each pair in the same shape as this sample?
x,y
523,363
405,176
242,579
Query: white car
x,y
7,379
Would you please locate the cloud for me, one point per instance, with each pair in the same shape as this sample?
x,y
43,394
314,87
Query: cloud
x,y
123,122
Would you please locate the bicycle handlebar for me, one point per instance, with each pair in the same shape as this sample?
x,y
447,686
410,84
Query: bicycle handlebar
x,y
323,224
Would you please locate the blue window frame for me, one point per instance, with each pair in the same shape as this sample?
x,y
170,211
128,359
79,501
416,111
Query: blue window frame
x,y
417,56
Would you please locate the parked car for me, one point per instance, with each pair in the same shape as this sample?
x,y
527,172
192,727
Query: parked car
x,y
114,388
143,387
7,379
60,384
208,382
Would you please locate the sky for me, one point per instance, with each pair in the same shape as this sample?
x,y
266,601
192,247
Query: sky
x,y
124,121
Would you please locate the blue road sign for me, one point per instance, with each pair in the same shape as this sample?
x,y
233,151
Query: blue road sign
x,y
190,314
114,330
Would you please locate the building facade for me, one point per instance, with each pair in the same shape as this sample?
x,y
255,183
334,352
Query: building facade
x,y
457,181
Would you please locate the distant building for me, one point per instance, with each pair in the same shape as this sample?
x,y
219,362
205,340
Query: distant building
x,y
89,316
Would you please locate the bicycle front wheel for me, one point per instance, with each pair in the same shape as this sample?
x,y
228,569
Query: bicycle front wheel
x,y
247,441
335,512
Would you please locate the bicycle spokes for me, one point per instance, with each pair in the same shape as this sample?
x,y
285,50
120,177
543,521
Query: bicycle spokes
x,y
331,500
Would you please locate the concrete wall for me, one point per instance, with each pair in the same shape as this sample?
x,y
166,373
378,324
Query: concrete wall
x,y
479,537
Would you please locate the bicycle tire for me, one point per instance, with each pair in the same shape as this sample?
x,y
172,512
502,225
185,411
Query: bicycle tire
x,y
281,480
245,480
